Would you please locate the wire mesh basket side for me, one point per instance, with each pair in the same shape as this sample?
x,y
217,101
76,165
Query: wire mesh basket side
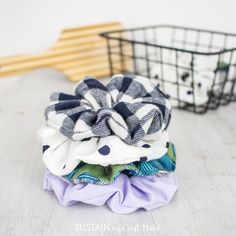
x,y
196,68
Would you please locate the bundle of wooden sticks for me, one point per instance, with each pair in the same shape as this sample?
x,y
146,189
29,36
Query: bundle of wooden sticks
x,y
78,52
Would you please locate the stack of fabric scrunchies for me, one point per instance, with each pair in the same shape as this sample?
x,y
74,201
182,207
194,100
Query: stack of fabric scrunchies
x,y
109,144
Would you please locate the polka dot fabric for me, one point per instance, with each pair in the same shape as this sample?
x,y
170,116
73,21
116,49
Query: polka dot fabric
x,y
59,151
104,150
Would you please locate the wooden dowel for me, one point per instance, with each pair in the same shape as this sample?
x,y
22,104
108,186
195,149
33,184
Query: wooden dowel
x,y
75,41
87,61
84,34
55,52
69,29
99,65
49,61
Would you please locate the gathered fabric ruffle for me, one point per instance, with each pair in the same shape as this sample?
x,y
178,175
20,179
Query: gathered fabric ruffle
x,y
130,107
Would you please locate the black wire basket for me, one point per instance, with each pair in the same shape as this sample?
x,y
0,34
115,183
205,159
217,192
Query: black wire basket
x,y
196,68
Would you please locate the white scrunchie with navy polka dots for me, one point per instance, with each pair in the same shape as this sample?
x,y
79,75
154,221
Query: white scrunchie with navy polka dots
x,y
61,155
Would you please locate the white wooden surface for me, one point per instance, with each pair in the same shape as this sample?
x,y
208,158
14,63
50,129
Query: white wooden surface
x,y
206,169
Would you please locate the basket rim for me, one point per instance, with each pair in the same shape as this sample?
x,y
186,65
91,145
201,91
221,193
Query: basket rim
x,y
108,36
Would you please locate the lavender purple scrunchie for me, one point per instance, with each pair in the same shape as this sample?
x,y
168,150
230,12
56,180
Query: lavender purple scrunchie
x,y
124,196
130,107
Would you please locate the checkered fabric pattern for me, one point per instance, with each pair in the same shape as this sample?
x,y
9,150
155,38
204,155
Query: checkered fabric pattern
x,y
131,107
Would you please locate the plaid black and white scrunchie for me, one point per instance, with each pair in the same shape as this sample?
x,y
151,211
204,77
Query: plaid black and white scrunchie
x,y
131,107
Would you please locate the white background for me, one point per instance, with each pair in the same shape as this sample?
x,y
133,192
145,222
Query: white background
x,y
31,26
